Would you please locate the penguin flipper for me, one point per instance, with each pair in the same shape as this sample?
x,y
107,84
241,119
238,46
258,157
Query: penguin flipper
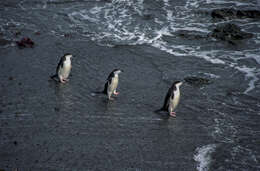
x,y
105,88
60,64
167,98
166,101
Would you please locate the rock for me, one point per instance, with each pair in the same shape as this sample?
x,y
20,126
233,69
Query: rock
x,y
228,13
230,32
93,94
25,42
197,81
37,33
147,16
15,142
67,35
190,34
56,109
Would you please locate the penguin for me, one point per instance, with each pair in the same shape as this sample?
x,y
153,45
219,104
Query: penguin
x,y
172,99
112,83
63,69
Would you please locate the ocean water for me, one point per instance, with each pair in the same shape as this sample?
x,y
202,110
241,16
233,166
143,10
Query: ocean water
x,y
228,111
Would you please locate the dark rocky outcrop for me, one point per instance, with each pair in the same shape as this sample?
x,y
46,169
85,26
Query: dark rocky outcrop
x,y
197,81
191,35
147,16
25,42
230,13
230,32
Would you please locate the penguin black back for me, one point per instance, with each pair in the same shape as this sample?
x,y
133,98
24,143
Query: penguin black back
x,y
109,79
61,62
167,97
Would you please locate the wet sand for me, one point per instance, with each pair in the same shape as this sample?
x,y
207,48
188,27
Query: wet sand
x,y
46,125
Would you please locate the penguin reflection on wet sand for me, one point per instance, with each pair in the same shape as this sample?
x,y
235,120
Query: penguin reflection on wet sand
x,y
172,99
112,83
63,69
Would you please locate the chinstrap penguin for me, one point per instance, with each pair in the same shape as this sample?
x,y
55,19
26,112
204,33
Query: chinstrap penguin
x,y
112,83
63,69
172,98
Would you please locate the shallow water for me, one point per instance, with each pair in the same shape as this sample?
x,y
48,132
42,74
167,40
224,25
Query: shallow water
x,y
45,125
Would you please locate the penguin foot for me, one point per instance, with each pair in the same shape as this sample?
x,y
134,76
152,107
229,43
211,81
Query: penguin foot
x,y
62,81
173,114
116,93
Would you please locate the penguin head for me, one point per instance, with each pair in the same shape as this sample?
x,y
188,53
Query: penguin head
x,y
177,83
117,71
68,56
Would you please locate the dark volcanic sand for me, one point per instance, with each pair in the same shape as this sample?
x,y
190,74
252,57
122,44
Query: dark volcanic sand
x,y
49,126
53,126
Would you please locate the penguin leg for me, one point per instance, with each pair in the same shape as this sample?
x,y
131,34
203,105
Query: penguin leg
x,y
109,96
115,92
171,112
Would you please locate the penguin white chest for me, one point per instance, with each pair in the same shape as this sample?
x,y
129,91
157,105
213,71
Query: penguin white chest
x,y
65,70
114,83
175,101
